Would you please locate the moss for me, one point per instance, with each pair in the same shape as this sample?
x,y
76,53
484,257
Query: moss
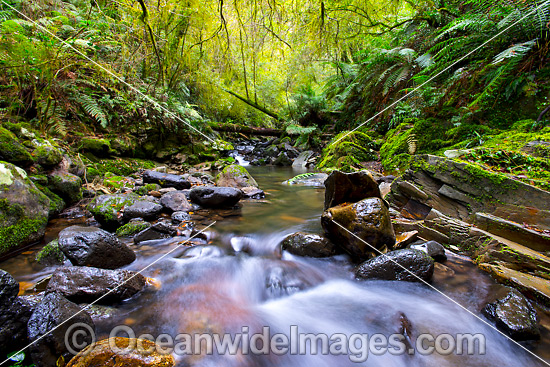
x,y
11,149
51,254
132,228
56,203
46,155
98,147
15,227
107,213
119,167
347,152
116,182
144,190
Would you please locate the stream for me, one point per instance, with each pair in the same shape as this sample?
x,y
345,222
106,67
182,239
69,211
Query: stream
x,y
238,277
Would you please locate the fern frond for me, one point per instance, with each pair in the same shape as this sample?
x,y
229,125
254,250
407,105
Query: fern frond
x,y
92,108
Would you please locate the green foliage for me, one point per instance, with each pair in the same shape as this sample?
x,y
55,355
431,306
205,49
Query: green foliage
x,y
347,152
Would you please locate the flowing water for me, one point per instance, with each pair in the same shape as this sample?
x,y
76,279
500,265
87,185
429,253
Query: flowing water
x,y
237,276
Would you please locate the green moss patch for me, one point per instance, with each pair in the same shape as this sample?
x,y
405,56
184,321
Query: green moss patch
x,y
51,254
130,229
347,152
15,227
12,150
119,167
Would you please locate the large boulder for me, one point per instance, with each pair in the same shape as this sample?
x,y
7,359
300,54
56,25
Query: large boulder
x,y
23,209
166,180
46,155
368,221
514,315
175,201
115,352
408,265
66,185
235,176
90,246
14,315
108,210
48,326
215,197
12,150
86,284
306,244
349,188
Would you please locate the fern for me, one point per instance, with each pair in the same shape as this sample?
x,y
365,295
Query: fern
x,y
92,108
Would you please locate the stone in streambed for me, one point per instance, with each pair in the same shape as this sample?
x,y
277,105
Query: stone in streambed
x,y
398,265
215,197
235,176
86,284
143,209
433,249
175,201
90,246
48,328
306,244
514,315
368,221
108,210
157,231
166,180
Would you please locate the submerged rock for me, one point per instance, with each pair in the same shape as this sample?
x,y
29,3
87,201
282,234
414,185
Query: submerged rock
x,y
116,352
514,315
215,197
368,221
350,188
48,328
24,209
166,180
175,201
86,284
398,265
90,246
306,244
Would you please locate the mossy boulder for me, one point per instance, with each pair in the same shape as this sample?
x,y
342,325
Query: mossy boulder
x,y
11,150
96,146
47,155
108,210
57,204
132,228
347,152
67,186
23,209
145,189
235,176
51,254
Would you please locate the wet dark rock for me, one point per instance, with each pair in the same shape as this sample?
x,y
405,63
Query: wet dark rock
x,y
368,221
67,186
306,244
283,160
175,201
166,180
398,265
143,209
433,249
9,288
253,193
108,210
308,179
90,246
86,284
514,315
349,188
157,231
178,217
13,325
215,197
48,326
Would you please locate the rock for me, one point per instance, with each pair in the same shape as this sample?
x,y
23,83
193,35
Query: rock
x,y
251,192
514,315
98,147
48,327
51,255
166,180
433,249
122,352
178,217
108,210
368,219
86,284
456,153
67,186
47,156
23,209
158,231
349,188
215,197
9,288
308,179
398,265
305,244
402,240
12,150
302,159
13,325
235,176
175,201
283,160
130,229
90,246
142,209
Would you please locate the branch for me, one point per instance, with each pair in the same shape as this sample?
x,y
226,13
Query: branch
x,y
253,104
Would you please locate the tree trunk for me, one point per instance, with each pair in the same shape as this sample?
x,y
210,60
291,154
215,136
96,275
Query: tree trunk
x,y
234,128
253,104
